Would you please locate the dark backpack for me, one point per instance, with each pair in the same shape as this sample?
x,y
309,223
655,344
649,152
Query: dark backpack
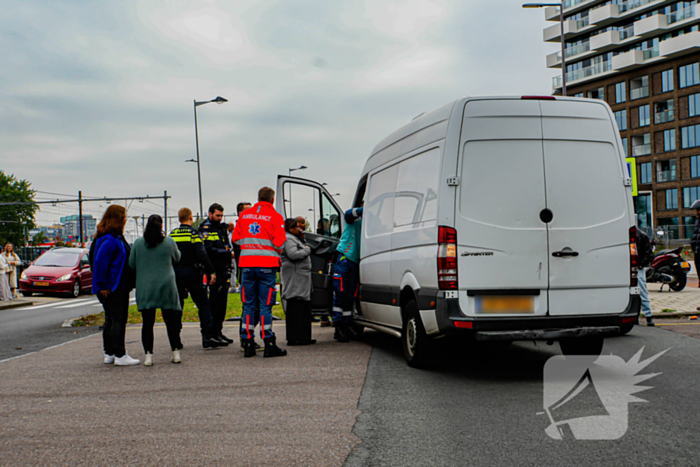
x,y
644,251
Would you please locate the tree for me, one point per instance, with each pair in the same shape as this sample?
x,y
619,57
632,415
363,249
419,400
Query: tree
x,y
38,239
15,221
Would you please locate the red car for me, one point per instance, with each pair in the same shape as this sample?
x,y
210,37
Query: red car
x,y
61,270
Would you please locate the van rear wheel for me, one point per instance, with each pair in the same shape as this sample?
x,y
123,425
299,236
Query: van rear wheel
x,y
414,341
582,346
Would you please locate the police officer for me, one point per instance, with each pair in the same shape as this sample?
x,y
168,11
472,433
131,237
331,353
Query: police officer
x,y
218,248
188,275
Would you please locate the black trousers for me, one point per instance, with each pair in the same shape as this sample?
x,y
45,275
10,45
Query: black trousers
x,y
189,280
218,297
173,323
298,320
116,306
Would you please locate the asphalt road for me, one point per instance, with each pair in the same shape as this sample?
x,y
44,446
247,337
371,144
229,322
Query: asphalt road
x,y
482,409
30,329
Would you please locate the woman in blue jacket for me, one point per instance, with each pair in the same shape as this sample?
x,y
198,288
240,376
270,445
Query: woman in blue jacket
x,y
112,281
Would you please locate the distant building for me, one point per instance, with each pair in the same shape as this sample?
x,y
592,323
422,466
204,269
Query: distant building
x,y
641,57
70,227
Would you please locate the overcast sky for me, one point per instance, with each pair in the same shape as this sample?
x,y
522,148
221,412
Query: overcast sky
x,y
98,96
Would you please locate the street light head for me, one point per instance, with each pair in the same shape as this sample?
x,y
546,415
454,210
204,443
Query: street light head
x,y
191,160
220,100
303,167
540,5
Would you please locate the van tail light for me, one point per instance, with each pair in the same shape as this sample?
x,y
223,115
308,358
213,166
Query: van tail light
x,y
447,259
634,257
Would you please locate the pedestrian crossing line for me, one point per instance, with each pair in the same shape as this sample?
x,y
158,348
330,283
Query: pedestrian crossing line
x,y
73,305
56,304
97,304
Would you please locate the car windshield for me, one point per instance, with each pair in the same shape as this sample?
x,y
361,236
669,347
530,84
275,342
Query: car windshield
x,y
56,259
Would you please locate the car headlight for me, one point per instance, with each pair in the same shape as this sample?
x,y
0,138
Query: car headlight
x,y
65,277
23,276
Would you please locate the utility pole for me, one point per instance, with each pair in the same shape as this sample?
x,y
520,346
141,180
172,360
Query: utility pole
x,y
165,207
143,222
80,216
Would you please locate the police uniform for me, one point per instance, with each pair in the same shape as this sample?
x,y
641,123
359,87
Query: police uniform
x,y
216,242
188,275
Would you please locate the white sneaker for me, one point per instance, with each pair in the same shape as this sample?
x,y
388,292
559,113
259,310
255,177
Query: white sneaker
x,y
126,360
148,361
176,356
109,359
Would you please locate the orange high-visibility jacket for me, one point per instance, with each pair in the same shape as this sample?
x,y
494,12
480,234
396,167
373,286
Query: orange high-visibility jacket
x,y
260,234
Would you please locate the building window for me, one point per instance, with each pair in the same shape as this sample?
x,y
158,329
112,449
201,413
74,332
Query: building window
x,y
597,94
694,166
639,88
621,119
664,112
624,146
689,75
641,145
644,115
578,94
690,195
666,171
645,173
667,80
690,136
672,199
670,140
671,226
620,92
693,105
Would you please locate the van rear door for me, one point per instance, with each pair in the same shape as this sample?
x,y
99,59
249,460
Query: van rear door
x,y
589,232
502,243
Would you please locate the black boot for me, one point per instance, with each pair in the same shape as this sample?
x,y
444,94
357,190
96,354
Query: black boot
x,y
209,342
271,349
341,333
225,339
248,347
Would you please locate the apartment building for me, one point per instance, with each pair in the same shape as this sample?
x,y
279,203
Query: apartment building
x,y
643,58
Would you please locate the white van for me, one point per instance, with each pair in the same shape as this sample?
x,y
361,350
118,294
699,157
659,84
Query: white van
x,y
491,218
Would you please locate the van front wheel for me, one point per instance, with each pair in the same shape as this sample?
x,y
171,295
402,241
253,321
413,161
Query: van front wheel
x,y
414,340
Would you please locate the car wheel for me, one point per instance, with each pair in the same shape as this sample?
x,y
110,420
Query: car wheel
x,y
582,346
75,292
414,341
27,294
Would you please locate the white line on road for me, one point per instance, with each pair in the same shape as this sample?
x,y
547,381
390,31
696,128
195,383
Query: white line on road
x,y
73,305
97,304
45,305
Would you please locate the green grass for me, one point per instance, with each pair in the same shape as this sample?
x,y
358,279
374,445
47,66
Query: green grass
x,y
189,314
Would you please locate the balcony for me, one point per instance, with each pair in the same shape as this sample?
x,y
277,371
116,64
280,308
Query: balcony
x,y
641,150
551,13
651,26
627,33
571,29
583,73
681,15
666,176
554,59
604,15
639,93
664,116
681,45
605,41
634,59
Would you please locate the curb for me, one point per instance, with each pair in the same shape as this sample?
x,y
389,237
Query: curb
x,y
69,322
15,304
673,314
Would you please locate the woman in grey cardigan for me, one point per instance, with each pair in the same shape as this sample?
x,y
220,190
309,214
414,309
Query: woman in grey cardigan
x,y
152,257
296,285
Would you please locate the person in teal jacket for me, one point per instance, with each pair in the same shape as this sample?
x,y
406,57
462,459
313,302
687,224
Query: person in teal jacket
x,y
346,277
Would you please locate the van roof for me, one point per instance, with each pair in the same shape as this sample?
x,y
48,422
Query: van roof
x,y
432,126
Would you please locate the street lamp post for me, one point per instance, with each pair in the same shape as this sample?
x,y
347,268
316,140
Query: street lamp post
x,y
218,100
563,44
302,167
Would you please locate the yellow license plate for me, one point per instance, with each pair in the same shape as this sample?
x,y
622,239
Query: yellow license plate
x,y
41,283
500,304
685,264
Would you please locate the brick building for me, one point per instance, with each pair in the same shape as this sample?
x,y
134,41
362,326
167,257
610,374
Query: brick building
x,y
642,57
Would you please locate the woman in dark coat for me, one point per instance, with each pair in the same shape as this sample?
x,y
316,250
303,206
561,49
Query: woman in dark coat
x,y
152,259
296,285
112,281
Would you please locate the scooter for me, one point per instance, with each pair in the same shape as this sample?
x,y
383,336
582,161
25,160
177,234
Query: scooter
x,y
668,267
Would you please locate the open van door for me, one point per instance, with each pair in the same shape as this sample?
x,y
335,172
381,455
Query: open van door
x,y
324,227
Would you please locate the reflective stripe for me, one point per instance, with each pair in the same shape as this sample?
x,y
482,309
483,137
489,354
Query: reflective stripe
x,y
212,237
357,289
338,309
341,283
256,241
243,294
180,239
268,326
347,313
269,296
262,324
259,253
354,212
247,325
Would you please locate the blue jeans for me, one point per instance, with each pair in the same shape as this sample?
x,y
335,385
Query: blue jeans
x,y
258,290
346,279
642,281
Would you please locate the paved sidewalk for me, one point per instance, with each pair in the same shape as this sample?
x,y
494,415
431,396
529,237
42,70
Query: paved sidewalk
x,y
686,301
63,406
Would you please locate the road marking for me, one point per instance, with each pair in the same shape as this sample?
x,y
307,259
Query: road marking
x,y
53,304
73,305
97,304
677,324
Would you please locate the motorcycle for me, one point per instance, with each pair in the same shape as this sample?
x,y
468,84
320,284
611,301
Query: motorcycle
x,y
668,267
